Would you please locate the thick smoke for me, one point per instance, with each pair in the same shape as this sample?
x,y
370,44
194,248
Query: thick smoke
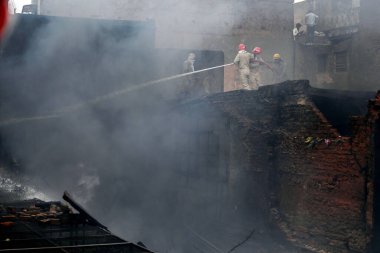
x,y
120,158
214,25
117,157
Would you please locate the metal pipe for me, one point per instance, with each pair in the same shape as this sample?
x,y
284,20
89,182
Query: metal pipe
x,y
91,220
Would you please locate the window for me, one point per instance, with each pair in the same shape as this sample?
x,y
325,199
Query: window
x,y
341,62
322,63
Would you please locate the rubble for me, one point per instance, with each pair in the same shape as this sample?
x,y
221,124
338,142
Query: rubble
x,y
39,226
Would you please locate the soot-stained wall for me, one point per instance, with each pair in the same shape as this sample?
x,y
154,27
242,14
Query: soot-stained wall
x,y
283,161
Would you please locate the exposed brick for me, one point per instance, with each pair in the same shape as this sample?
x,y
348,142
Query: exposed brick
x,y
319,195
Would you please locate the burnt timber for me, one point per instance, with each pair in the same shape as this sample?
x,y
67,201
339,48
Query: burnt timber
x,y
39,226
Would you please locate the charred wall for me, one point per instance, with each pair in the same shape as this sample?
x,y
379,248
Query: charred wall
x,y
376,201
283,161
366,138
333,105
227,164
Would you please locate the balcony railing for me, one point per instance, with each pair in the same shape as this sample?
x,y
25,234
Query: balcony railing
x,y
340,20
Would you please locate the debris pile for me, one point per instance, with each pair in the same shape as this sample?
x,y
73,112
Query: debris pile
x,y
43,213
39,226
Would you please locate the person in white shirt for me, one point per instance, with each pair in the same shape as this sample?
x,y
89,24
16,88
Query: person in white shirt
x,y
297,31
311,21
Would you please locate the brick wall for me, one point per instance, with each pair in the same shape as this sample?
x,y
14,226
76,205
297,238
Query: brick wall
x,y
321,191
365,146
287,160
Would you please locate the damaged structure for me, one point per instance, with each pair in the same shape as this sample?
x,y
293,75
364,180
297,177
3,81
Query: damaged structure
x,y
276,150
277,160
295,168
39,226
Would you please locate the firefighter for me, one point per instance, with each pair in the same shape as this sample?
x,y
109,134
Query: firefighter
x,y
279,69
255,65
189,81
242,60
188,64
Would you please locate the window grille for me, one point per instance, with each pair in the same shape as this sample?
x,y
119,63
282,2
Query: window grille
x,y
341,62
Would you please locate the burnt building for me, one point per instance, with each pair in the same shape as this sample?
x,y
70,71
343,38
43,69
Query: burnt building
x,y
276,162
39,226
284,155
286,168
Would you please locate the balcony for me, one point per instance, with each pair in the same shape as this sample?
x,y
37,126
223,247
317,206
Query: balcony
x,y
348,18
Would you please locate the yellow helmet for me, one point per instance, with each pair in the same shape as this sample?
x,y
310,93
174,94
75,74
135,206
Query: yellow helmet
x,y
276,56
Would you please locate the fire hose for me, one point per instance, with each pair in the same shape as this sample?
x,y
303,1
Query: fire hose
x,y
263,62
99,99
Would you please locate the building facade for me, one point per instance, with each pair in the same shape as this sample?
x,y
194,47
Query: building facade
x,y
201,25
345,54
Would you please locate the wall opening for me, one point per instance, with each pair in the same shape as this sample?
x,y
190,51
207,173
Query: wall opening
x,y
339,106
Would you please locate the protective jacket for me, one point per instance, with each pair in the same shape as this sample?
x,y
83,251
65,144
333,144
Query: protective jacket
x,y
188,66
256,61
242,61
279,71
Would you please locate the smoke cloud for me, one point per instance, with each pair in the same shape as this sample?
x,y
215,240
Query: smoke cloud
x,y
118,157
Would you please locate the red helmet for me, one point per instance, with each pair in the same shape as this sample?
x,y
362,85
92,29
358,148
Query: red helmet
x,y
256,50
3,15
241,47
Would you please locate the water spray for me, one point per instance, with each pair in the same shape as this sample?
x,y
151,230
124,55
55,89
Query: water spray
x,y
99,99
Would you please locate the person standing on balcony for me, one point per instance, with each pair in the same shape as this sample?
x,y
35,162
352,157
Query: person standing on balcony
x,y
297,31
311,20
